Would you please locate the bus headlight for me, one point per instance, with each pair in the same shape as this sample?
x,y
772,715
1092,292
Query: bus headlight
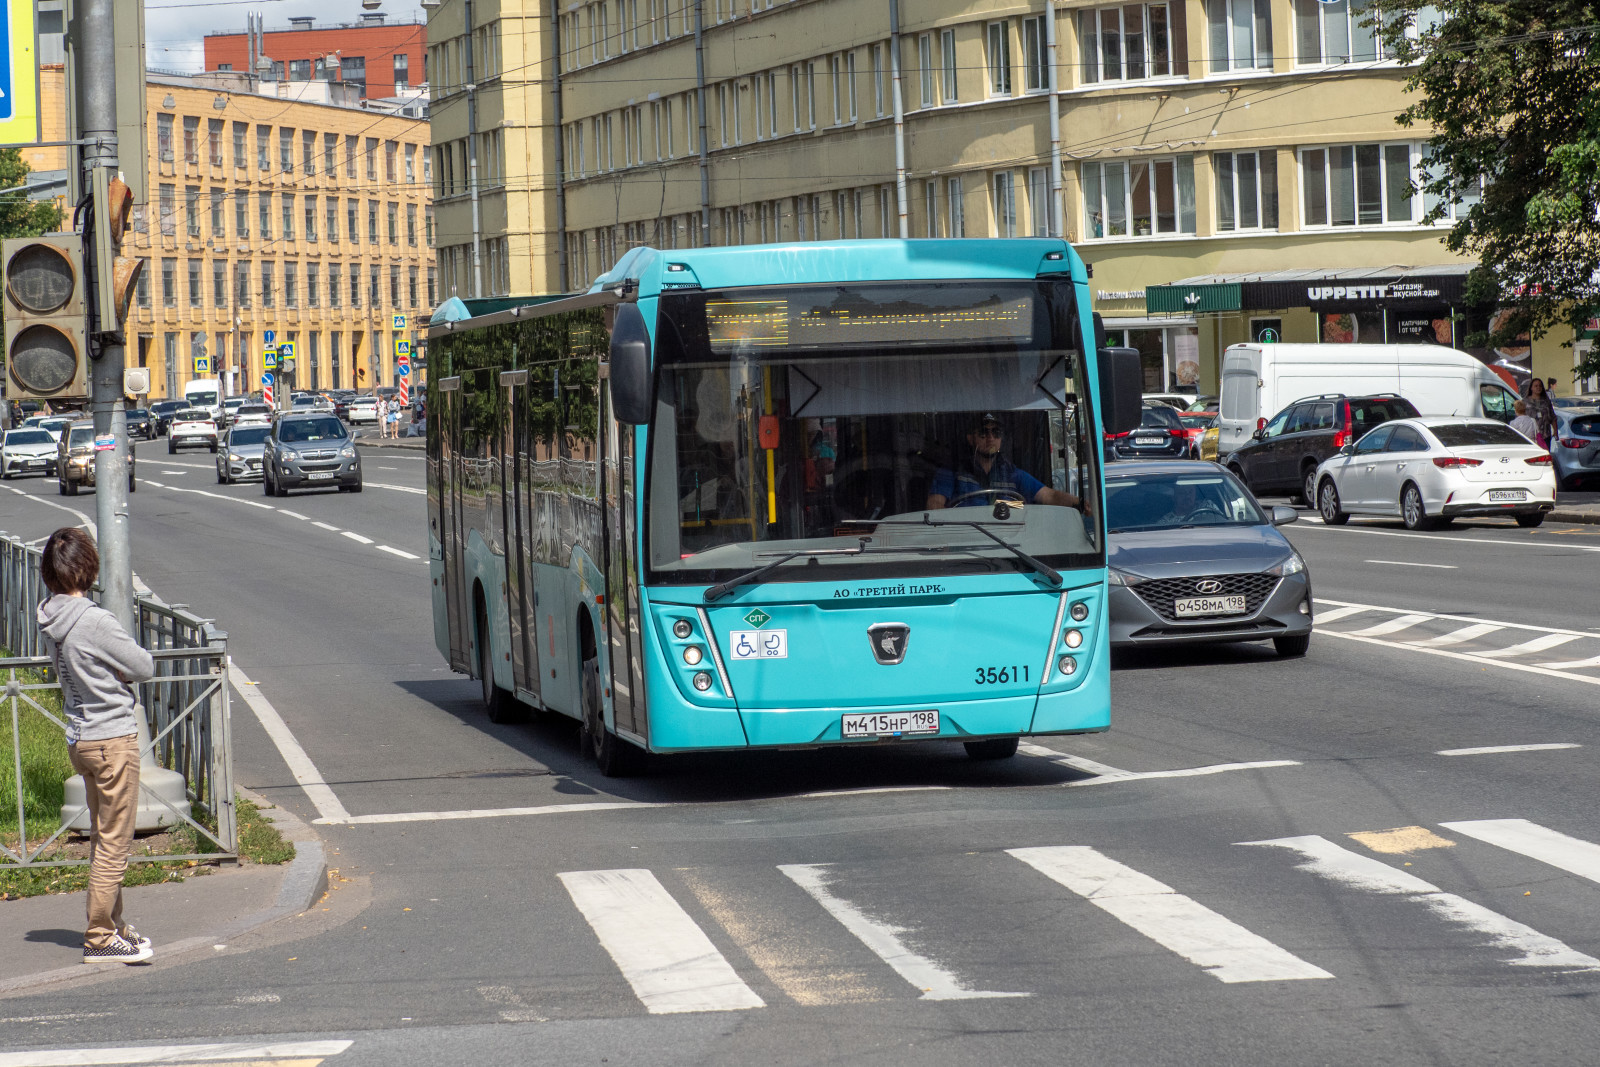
x,y
702,680
1073,638
1080,611
1067,665
692,655
681,629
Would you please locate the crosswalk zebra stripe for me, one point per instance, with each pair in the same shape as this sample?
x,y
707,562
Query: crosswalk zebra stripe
x,y
1456,637
1570,854
1335,614
220,1051
935,981
670,962
1395,625
1537,644
1328,860
1220,946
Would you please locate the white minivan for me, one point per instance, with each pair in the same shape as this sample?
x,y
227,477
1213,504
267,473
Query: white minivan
x,y
204,393
1259,380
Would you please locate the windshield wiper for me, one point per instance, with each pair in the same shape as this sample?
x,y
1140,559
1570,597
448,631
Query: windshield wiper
x,y
722,589
1046,571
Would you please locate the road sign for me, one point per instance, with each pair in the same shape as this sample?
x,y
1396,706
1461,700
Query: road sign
x,y
402,367
269,358
266,381
286,350
202,365
402,348
268,336
399,322
19,75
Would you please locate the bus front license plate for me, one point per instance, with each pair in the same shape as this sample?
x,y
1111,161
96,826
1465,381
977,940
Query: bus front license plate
x,y
890,723
1208,605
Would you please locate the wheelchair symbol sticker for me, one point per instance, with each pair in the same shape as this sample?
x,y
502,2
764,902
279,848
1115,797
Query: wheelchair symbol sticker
x,y
759,644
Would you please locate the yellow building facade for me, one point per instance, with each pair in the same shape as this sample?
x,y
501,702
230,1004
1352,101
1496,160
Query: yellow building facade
x,y
1232,169
308,219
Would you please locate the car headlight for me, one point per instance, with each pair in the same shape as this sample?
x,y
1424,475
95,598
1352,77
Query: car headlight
x,y
1293,565
348,453
289,454
234,457
1116,577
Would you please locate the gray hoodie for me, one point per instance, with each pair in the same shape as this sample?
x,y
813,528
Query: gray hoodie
x,y
90,649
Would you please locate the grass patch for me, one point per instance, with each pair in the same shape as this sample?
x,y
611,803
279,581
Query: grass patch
x,y
45,766
259,840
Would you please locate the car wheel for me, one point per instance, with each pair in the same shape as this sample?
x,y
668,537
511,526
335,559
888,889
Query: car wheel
x,y
1308,485
992,748
61,487
1293,645
1536,519
1328,504
222,479
266,484
1238,472
1412,511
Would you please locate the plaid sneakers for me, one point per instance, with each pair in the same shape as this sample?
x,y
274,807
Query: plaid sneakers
x,y
118,950
133,937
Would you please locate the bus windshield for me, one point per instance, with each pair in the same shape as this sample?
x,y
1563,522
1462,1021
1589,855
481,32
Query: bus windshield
x,y
870,429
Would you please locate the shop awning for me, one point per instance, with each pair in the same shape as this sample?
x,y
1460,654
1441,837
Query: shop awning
x,y
1349,289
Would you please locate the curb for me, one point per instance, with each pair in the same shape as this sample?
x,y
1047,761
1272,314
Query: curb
x,y
305,879
1579,516
421,444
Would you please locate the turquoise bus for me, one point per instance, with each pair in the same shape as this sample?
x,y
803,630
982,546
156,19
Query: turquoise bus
x,y
787,496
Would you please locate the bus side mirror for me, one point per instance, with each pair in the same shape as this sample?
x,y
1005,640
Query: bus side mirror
x,y
1121,389
630,366
1099,331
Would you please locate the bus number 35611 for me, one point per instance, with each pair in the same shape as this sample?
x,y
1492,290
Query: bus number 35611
x,y
1000,675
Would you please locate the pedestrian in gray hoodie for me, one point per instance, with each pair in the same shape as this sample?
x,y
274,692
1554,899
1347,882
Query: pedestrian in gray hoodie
x,y
96,660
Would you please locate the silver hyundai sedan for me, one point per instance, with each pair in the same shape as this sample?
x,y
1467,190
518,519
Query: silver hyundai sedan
x,y
1194,558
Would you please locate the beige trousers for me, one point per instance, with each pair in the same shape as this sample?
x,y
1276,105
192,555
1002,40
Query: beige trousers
x,y
110,770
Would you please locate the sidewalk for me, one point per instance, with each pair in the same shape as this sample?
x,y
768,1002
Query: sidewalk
x,y
1576,507
43,936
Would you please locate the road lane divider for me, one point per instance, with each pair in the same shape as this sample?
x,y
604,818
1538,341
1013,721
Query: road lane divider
x,y
233,1051
1493,750
317,790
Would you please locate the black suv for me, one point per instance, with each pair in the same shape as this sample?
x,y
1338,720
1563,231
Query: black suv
x,y
1159,436
1284,454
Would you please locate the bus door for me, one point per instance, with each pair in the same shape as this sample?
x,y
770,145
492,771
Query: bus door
x,y
514,511
452,541
622,572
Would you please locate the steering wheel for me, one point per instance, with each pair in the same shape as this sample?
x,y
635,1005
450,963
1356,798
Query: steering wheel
x,y
1205,508
989,496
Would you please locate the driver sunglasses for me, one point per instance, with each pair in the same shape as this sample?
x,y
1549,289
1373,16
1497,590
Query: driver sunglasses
x,y
989,431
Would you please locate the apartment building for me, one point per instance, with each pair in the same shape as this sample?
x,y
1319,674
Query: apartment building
x,y
298,213
381,56
1232,169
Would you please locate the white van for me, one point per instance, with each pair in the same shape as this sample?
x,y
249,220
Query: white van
x,y
1259,380
204,393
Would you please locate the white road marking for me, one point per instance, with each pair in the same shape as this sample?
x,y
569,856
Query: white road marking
x,y
294,514
1536,644
88,523
1395,625
1223,948
1328,860
356,537
158,485
305,772
179,474
388,468
1460,540
933,979
1188,772
820,794
324,526
1405,563
1526,668
1456,637
1572,664
478,813
399,488
1492,750
398,552
1570,854
1337,613
1077,763
670,962
93,1057
1454,618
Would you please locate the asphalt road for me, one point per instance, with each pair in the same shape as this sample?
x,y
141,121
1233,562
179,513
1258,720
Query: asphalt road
x,y
1367,897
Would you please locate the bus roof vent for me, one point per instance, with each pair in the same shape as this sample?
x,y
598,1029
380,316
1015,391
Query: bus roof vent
x,y
679,276
452,310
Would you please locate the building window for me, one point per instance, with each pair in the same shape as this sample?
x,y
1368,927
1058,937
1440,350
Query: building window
x,y
264,214
888,216
331,218
241,215
930,209
308,151
349,155
1039,201
1356,185
351,210
299,70
291,285
169,283
313,285
354,69
335,344
288,217
394,285
263,158
330,150
391,150
355,285
191,139
372,221
402,71
219,283
411,285
392,213
268,290
411,164
947,60
241,154
214,141
1005,204
1247,190
141,291
1338,32
433,282
164,138
878,94
998,58
1035,64
311,219
286,151
241,283
191,210
411,225
218,228
1138,198
196,300
1240,34
335,284
925,69
427,224
372,159
169,210
1126,43
374,295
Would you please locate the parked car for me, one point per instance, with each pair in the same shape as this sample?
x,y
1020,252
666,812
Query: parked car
x,y
1591,401
309,451
1159,436
140,424
252,414
1195,424
1194,558
1429,471
361,409
1176,401
75,461
1283,456
1576,449
162,411
1205,403
239,453
54,425
27,450
192,428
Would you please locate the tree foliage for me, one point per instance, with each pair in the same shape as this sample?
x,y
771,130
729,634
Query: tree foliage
x,y
1511,92
19,216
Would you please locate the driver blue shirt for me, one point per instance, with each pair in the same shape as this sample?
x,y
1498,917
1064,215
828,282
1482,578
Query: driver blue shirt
x,y
1002,474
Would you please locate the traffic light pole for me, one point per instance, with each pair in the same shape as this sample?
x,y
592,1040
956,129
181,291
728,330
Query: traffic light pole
x,y
97,122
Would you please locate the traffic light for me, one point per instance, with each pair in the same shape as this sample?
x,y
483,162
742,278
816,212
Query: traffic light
x,y
125,270
361,374
47,345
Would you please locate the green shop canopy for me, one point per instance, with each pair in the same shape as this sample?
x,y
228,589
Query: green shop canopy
x,y
1183,298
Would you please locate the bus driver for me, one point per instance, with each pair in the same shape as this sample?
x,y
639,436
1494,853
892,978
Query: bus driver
x,y
987,475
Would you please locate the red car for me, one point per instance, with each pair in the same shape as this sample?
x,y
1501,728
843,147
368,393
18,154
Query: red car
x,y
1196,423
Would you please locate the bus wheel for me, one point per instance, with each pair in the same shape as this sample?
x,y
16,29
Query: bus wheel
x,y
615,757
501,705
993,748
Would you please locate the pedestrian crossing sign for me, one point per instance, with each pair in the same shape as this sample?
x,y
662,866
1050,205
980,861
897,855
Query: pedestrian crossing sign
x,y
286,351
402,348
269,358
202,365
399,322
